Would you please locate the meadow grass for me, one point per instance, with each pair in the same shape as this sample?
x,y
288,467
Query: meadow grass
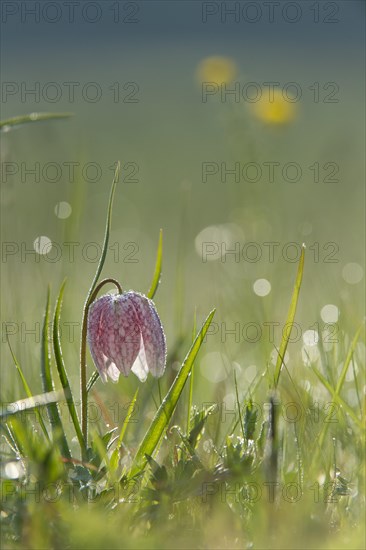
x,y
168,464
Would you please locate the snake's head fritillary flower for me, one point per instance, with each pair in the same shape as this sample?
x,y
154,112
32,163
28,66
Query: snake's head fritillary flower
x,y
125,334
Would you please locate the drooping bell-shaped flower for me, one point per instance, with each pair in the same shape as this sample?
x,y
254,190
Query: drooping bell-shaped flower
x,y
125,334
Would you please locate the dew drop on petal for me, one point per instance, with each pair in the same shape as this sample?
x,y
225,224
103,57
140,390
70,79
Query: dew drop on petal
x,y
262,287
329,313
352,273
42,245
63,210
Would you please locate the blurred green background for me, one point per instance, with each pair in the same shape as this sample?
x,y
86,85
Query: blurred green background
x,y
161,55
167,135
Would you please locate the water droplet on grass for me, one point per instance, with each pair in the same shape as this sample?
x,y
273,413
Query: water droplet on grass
x,y
329,313
63,210
262,287
352,273
42,245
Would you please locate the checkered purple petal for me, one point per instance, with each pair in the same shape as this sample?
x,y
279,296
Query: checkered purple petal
x,y
152,333
124,334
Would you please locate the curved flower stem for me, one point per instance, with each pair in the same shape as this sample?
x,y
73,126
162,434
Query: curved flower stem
x,y
84,327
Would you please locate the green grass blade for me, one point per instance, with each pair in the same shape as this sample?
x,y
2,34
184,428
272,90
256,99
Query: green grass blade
x,y
166,409
48,386
335,393
106,233
115,455
158,266
61,367
290,317
337,399
130,411
32,117
239,407
190,394
348,360
45,355
83,381
94,377
27,388
30,403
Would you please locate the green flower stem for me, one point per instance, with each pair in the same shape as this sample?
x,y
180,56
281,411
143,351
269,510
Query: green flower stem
x,y
83,381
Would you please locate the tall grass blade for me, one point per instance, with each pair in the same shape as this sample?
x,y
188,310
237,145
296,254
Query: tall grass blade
x,y
83,381
48,385
239,407
348,360
30,403
158,266
27,388
32,117
94,377
337,398
290,317
130,410
61,367
335,393
106,233
190,394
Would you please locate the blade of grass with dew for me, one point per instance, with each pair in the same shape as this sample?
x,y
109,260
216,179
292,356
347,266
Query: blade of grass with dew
x,y
61,367
30,403
115,454
32,117
94,377
290,317
238,405
348,360
163,415
338,399
27,388
100,449
107,231
83,381
158,266
254,385
190,394
9,437
48,386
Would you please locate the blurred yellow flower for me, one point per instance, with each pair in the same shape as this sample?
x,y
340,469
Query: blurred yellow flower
x,y
217,69
276,109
